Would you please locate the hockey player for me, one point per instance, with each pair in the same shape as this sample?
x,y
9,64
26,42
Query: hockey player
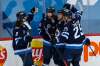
x,y
48,28
22,37
61,37
74,45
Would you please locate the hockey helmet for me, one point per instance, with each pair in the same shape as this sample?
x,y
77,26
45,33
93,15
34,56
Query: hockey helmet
x,y
21,14
51,9
67,12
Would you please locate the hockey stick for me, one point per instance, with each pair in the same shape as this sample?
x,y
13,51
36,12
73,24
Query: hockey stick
x,y
36,3
5,26
92,50
44,8
9,32
44,12
90,46
85,41
82,9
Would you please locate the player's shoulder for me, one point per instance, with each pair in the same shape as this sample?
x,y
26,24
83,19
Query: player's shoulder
x,y
27,26
77,14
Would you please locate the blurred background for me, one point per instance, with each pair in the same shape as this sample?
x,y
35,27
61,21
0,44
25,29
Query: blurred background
x,y
8,8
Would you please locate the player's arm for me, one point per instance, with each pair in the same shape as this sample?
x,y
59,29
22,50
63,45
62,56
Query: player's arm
x,y
42,26
33,11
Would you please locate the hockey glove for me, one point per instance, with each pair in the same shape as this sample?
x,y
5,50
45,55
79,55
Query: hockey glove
x,y
34,10
87,41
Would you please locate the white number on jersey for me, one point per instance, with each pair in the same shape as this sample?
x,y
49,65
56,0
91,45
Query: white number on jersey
x,y
63,34
78,31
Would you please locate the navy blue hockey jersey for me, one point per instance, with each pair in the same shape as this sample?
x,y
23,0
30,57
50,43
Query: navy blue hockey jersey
x,y
48,28
62,32
75,31
21,37
72,31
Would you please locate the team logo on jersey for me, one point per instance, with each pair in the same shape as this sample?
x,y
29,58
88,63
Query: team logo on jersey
x,y
3,55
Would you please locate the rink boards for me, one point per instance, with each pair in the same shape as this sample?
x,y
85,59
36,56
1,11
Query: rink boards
x,y
7,56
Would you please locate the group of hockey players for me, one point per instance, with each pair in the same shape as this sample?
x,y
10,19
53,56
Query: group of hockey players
x,y
62,34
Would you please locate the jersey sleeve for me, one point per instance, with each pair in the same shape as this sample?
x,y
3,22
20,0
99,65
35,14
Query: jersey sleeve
x,y
30,17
